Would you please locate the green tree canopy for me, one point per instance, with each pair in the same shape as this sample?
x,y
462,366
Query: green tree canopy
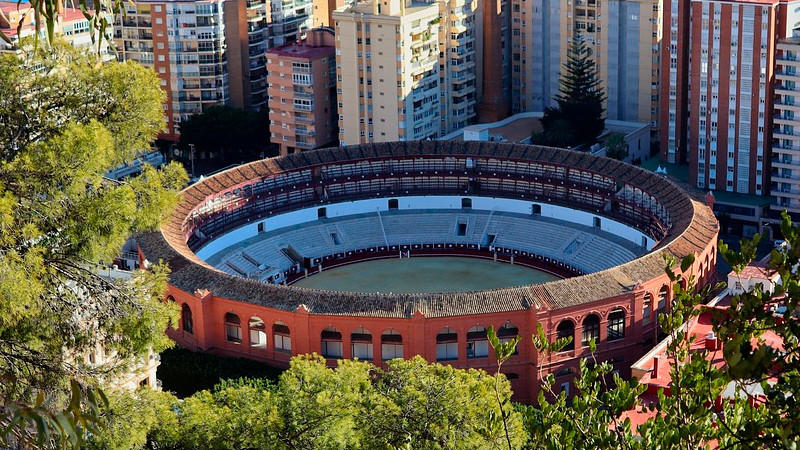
x,y
66,120
616,147
578,119
411,404
232,134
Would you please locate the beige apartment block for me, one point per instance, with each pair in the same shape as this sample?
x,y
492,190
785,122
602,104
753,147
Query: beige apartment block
x,y
302,93
405,70
323,12
624,37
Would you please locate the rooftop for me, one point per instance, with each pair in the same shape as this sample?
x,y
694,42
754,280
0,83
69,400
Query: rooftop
x,y
302,50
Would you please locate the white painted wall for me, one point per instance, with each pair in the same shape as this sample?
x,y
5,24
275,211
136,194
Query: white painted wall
x,y
423,202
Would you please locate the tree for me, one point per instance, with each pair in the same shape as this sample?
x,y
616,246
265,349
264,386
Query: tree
x,y
99,13
411,404
421,405
231,134
684,419
559,134
616,147
65,120
580,100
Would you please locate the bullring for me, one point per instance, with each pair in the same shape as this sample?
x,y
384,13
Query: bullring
x,y
228,313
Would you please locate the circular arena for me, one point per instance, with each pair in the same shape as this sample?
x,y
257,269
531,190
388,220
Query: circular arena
x,y
243,242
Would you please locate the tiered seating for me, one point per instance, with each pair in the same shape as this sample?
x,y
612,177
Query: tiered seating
x,y
420,228
580,246
356,233
599,254
544,238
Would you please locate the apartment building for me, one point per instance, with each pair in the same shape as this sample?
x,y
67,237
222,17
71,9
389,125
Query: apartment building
x,y
246,35
410,65
302,92
717,106
323,12
184,41
287,20
460,38
785,162
623,35
71,25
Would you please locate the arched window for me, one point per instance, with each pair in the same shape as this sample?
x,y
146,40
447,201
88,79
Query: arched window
x,y
447,345
258,332
591,329
477,342
186,319
331,343
616,324
647,309
361,344
566,329
662,298
391,345
281,337
233,328
170,299
507,332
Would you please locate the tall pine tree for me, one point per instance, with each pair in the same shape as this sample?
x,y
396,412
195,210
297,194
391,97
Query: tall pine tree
x,y
580,102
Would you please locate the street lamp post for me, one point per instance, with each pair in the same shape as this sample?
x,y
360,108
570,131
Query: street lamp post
x,y
191,156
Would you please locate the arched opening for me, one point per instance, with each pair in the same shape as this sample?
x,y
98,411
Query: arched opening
x,y
566,329
616,324
361,344
647,309
331,343
507,332
233,328
447,345
258,332
281,337
186,319
391,345
477,342
591,329
662,298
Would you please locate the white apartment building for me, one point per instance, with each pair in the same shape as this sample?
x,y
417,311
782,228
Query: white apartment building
x,y
287,19
786,132
184,41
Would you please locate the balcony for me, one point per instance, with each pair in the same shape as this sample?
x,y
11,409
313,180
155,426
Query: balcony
x,y
305,145
303,119
793,177
783,150
305,132
303,95
780,104
778,163
787,75
780,134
